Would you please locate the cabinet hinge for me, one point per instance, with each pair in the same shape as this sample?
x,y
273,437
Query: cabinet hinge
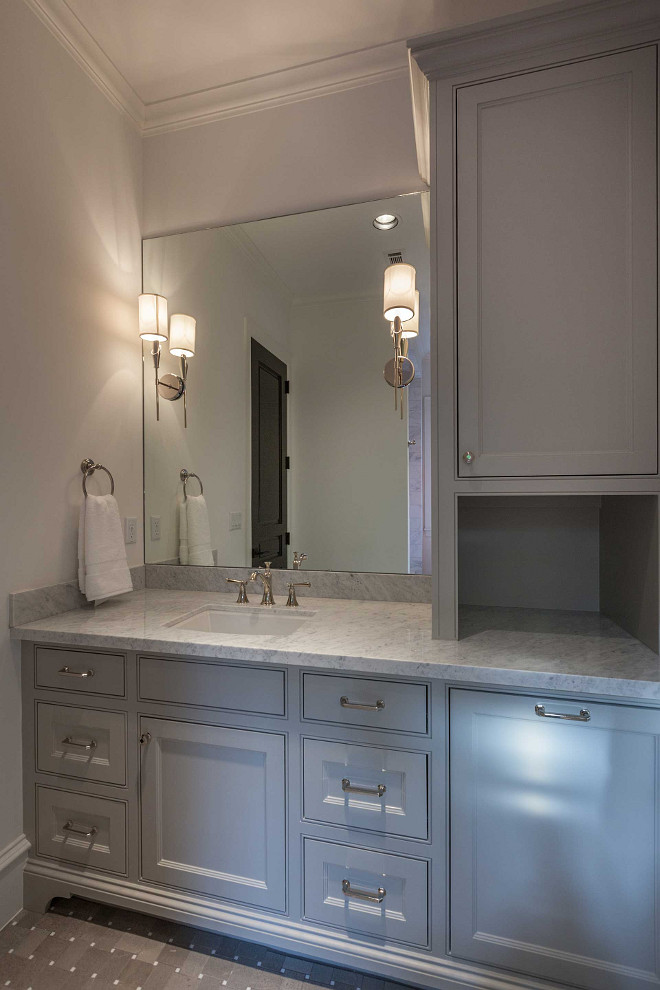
x,y
287,387
288,463
287,538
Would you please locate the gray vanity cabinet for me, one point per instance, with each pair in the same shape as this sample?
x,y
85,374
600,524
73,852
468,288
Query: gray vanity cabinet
x,y
213,810
554,834
557,270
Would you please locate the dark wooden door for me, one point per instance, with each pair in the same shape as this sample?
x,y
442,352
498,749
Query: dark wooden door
x,y
269,481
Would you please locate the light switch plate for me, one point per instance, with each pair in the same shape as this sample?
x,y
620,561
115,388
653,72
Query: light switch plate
x,y
155,527
235,520
130,529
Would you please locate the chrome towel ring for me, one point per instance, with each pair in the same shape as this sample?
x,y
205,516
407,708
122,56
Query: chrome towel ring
x,y
88,467
186,476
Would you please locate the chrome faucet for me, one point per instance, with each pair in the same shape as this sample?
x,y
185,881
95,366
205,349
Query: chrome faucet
x,y
267,581
298,559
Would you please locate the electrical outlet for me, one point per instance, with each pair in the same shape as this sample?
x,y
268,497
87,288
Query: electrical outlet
x,y
155,527
235,520
130,529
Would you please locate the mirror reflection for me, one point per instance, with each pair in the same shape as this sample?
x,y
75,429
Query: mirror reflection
x,y
286,419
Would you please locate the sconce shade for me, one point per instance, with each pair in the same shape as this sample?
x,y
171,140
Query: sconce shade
x,y
411,328
152,312
399,292
182,335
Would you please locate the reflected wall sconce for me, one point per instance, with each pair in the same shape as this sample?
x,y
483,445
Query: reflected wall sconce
x,y
180,331
401,308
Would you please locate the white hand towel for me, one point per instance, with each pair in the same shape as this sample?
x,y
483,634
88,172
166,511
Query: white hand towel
x,y
199,532
102,565
183,532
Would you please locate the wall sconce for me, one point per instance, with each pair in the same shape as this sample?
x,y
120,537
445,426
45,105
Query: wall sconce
x,y
152,310
401,308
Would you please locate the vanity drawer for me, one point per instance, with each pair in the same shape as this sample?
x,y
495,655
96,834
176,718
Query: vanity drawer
x,y
73,670
384,790
81,742
361,890
212,685
82,829
358,701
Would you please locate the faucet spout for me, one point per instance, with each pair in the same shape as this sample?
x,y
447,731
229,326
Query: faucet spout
x,y
266,578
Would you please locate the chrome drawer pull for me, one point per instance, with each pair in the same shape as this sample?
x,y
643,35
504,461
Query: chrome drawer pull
x,y
584,715
81,745
87,830
76,673
345,703
376,791
362,895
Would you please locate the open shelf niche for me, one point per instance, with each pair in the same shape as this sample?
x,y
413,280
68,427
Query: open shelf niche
x,y
596,555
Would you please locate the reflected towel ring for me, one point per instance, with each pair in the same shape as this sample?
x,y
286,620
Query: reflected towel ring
x,y
185,477
88,467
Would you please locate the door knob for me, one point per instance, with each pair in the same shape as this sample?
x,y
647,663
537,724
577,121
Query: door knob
x,y
468,457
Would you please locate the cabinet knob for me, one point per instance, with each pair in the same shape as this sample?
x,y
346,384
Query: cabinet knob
x,y
145,738
468,457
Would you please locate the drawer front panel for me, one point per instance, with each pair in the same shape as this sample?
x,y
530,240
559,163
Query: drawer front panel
x,y
384,790
72,670
82,829
207,685
372,893
359,701
81,742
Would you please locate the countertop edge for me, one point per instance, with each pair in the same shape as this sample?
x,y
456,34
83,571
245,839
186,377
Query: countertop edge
x,y
607,686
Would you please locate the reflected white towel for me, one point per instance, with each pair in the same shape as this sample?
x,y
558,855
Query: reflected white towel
x,y
102,565
199,532
183,532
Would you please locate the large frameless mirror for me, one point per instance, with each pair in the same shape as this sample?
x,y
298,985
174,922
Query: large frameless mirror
x,y
298,439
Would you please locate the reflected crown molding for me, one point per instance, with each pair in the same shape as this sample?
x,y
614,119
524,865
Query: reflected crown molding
x,y
320,77
260,262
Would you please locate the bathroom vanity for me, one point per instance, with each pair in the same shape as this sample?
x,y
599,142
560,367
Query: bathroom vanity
x,y
476,813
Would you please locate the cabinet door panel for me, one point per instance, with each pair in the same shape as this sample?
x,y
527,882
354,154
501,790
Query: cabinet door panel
x,y
213,811
557,270
554,835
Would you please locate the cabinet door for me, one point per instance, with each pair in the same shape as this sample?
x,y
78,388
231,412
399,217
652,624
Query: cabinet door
x,y
557,270
554,839
213,811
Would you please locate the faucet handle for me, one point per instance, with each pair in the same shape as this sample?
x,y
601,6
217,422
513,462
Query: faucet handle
x,y
292,601
242,592
267,564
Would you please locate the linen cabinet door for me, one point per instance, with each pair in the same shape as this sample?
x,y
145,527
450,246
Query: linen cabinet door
x,y
557,271
213,811
554,835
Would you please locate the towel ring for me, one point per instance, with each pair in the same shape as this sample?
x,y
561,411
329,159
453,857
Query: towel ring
x,y
186,476
88,467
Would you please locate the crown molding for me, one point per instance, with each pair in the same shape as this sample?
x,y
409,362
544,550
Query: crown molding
x,y
544,32
276,89
322,77
63,24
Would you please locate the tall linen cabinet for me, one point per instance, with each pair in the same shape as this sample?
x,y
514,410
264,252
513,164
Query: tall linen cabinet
x,y
543,170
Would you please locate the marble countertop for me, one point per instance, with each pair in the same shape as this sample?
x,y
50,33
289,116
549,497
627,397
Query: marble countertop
x,y
559,651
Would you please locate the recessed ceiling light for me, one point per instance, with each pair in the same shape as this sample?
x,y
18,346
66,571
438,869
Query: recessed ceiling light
x,y
386,221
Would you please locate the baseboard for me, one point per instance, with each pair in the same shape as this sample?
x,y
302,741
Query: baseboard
x,y
44,880
12,858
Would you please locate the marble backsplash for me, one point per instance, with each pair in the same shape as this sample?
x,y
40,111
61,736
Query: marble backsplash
x,y
40,603
357,586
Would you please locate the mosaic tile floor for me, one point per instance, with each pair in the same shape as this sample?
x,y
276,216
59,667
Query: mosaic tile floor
x,y
80,945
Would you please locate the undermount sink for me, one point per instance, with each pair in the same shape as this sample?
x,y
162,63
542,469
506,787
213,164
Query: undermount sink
x,y
243,620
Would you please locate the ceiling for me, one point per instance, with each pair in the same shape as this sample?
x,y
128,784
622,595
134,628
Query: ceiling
x,y
168,48
175,62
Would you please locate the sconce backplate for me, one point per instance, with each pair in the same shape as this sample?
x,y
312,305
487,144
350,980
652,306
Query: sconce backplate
x,y
405,375
171,387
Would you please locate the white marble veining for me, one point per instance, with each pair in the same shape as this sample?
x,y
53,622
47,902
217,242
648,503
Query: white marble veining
x,y
558,651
